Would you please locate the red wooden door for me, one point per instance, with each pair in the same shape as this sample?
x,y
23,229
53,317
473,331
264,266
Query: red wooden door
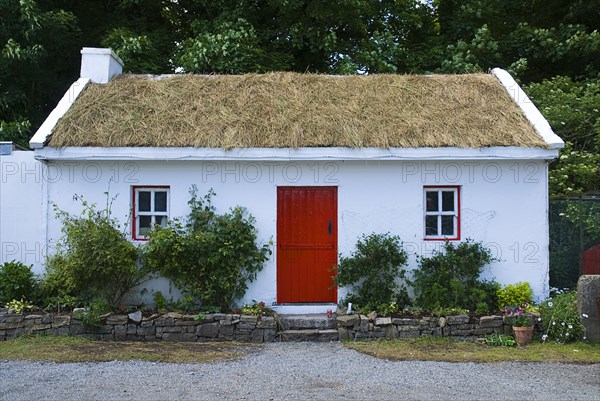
x,y
306,244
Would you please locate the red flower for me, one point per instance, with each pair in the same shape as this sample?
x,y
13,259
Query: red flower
x,y
261,304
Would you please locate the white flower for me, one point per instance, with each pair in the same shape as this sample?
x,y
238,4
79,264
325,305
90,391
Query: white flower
x,y
584,337
567,334
544,337
550,304
539,319
570,326
585,315
562,324
553,323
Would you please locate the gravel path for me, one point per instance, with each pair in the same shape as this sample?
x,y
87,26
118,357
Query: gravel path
x,y
299,371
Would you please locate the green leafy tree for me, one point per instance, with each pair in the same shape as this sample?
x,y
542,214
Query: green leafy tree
x,y
573,110
34,68
519,36
391,37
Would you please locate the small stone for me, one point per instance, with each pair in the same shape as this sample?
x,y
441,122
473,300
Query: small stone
x,y
405,321
347,320
227,322
408,328
372,315
458,319
149,318
266,322
219,316
383,321
135,316
120,332
490,321
343,333
117,319
174,315
209,330
442,322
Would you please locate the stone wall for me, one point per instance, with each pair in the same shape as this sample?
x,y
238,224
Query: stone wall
x,y
588,304
355,327
246,328
134,327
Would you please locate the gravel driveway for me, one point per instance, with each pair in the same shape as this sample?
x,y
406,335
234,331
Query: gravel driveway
x,y
299,371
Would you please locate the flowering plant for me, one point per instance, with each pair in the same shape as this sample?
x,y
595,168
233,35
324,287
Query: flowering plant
x,y
257,308
560,318
519,316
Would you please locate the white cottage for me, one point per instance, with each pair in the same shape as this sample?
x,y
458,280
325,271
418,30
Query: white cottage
x,y
318,160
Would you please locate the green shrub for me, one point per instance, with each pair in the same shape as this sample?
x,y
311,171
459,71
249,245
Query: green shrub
x,y
210,257
451,279
93,259
560,319
514,294
374,272
17,281
160,301
91,317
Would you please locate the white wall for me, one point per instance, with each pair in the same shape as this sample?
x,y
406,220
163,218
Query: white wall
x,y
21,209
503,203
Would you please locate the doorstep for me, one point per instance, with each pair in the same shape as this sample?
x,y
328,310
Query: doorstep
x,y
304,309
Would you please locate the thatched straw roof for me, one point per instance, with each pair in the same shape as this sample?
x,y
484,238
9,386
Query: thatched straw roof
x,y
296,110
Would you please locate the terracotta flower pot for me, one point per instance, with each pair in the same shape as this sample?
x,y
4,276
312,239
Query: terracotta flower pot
x,y
523,335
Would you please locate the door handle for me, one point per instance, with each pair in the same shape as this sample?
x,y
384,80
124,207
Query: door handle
x,y
329,227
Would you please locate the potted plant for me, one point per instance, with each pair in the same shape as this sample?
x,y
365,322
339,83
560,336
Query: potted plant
x,y
522,323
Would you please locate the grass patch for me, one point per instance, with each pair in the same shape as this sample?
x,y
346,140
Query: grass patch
x,y
74,349
448,350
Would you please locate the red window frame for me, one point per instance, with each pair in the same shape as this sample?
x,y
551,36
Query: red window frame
x,y
134,188
440,188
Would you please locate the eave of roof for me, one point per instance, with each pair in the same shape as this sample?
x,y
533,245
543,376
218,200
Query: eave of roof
x,y
292,154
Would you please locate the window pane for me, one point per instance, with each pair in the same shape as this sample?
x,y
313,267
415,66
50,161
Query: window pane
x,y
144,201
447,225
160,201
431,223
447,201
145,223
431,197
161,220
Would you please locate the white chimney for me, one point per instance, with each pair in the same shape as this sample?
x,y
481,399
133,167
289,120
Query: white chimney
x,y
100,65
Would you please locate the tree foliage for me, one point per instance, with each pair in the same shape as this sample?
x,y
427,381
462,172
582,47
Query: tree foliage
x,y
36,65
